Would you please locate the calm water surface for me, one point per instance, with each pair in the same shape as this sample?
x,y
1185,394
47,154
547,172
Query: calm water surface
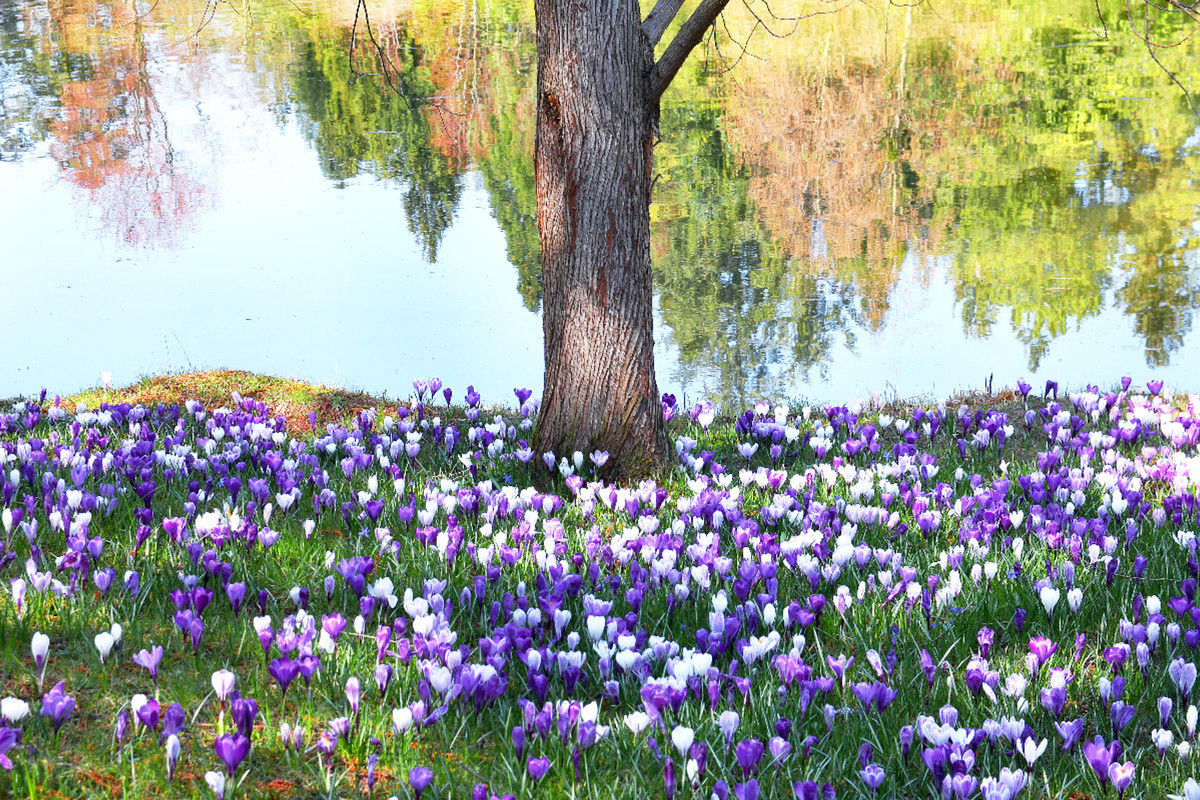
x,y
889,201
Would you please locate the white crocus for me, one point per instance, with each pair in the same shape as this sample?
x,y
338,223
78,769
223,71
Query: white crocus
x,y
683,737
1049,597
1032,750
104,644
13,709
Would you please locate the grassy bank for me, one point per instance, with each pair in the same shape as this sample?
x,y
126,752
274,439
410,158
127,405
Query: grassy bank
x,y
812,601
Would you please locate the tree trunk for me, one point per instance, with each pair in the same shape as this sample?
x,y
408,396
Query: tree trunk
x,y
592,160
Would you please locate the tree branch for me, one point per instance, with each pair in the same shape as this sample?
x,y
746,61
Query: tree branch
x,y
690,35
656,22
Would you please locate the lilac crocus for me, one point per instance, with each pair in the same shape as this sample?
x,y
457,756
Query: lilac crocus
x,y
1183,674
839,665
353,693
872,775
1121,775
1070,732
149,660
173,749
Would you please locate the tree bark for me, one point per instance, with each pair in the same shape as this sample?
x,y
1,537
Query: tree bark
x,y
592,159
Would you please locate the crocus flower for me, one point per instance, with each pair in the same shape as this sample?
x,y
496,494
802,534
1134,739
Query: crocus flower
x,y
57,705
121,726
1190,791
13,709
216,782
682,737
1070,732
39,645
174,719
149,660
222,683
749,753
1042,648
728,722
746,791
1099,757
872,775
1183,674
1121,776
173,748
147,713
1032,750
420,778
538,767
9,738
244,711
104,644
232,749
518,740
1049,597
284,671
353,693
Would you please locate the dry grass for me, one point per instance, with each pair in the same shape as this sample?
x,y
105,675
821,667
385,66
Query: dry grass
x,y
295,400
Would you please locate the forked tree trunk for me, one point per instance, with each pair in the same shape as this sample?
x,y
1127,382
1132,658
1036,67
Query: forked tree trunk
x,y
592,160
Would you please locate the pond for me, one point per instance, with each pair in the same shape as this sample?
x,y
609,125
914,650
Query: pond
x,y
891,201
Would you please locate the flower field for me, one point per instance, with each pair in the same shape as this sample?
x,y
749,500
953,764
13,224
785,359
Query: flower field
x,y
991,600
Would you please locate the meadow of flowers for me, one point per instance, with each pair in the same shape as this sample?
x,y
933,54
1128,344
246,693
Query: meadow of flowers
x,y
989,602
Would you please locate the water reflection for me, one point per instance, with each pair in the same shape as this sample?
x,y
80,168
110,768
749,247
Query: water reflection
x,y
890,198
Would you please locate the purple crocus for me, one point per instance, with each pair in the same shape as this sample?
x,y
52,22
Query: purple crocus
x,y
244,711
518,740
1070,732
147,714
1099,757
538,767
57,705
746,791
174,719
9,738
196,632
232,749
420,778
1042,648
749,753
284,671
236,592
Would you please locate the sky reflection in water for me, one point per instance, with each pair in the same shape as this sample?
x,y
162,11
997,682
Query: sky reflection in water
x,y
903,212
